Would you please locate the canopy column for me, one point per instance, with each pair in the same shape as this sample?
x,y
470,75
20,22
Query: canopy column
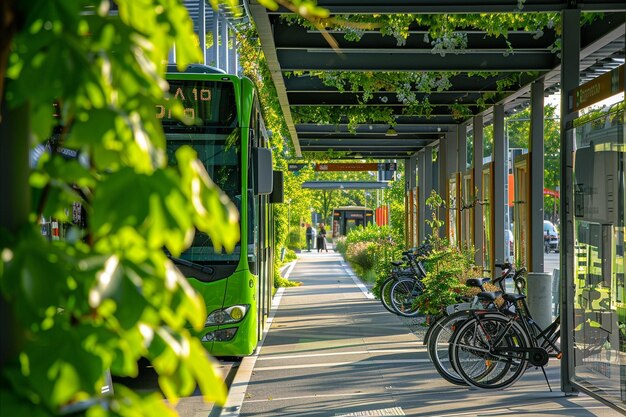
x,y
477,133
452,219
536,176
410,199
425,184
570,78
500,179
461,148
223,45
202,29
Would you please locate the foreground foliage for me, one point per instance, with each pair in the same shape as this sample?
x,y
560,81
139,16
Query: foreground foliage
x,y
107,294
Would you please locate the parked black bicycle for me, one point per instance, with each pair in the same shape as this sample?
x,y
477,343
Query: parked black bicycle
x,y
493,349
442,329
404,284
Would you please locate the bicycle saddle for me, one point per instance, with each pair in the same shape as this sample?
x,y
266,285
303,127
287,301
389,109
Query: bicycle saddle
x,y
476,282
514,297
489,295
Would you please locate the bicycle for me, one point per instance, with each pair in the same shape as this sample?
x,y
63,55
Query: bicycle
x,y
492,350
441,331
403,293
407,272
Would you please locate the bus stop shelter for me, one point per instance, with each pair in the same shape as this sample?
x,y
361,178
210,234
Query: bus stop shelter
x,y
437,131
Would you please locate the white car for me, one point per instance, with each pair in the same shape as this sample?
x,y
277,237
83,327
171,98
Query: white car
x,y
550,237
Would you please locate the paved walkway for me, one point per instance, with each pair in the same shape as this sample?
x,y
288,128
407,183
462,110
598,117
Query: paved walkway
x,y
332,351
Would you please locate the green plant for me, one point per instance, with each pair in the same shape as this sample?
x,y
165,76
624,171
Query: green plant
x,y
434,202
340,245
447,269
294,241
447,266
362,255
107,295
385,245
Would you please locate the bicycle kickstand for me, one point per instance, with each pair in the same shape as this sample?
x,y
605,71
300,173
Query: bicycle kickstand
x,y
543,369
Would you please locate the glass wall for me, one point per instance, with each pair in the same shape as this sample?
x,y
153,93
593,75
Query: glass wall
x,y
599,241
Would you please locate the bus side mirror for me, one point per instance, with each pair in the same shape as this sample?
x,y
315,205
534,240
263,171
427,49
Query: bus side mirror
x,y
262,174
278,194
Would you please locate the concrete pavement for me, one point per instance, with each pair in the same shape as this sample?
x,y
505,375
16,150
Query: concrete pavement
x,y
332,351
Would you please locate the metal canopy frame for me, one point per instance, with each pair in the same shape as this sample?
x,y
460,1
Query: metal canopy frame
x,y
346,185
290,48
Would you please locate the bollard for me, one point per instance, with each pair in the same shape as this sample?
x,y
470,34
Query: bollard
x,y
539,297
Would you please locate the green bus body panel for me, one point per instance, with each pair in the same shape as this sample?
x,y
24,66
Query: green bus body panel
x,y
216,295
241,287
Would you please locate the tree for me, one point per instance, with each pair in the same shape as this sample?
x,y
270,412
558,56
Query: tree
x,y
107,295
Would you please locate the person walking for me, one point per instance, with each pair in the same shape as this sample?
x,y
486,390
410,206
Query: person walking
x,y
309,237
321,238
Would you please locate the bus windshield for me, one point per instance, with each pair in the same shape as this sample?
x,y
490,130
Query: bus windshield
x,y
219,153
215,136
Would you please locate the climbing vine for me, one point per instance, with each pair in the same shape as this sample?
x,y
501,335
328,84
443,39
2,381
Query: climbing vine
x,y
352,115
445,34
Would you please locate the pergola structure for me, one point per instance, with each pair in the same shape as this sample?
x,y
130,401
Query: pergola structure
x,y
291,48
295,54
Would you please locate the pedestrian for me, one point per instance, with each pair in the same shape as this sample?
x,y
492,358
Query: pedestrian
x,y
309,237
321,238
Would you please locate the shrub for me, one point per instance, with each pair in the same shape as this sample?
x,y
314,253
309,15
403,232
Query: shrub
x,y
362,255
448,267
385,247
279,281
293,240
340,245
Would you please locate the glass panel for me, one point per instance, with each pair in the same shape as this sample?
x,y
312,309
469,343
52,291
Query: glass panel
x,y
521,224
219,153
351,224
210,128
467,209
599,309
452,210
469,149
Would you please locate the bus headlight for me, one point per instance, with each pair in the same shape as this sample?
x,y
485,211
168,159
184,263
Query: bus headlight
x,y
232,314
222,335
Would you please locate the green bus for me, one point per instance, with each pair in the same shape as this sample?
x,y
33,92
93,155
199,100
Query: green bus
x,y
232,144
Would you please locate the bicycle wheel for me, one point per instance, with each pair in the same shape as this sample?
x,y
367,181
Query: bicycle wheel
x,y
403,294
431,326
385,290
485,351
439,343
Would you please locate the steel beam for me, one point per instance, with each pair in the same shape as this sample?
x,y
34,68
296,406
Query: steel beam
x,y
264,29
570,72
458,6
414,60
295,36
460,83
477,133
536,263
345,185
500,165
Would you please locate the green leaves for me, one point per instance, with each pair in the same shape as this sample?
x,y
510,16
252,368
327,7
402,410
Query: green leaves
x,y
212,212
107,295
